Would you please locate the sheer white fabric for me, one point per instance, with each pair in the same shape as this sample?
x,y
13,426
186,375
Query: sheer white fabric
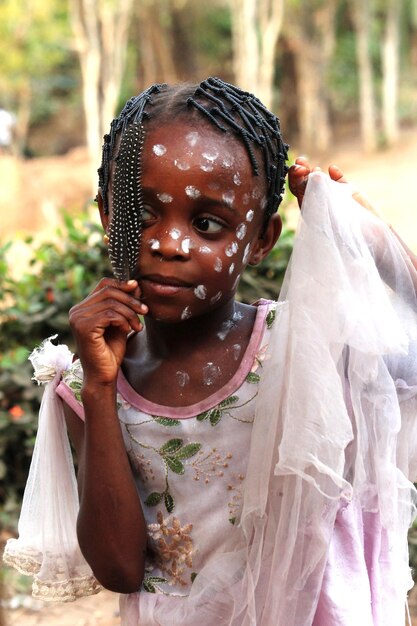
x,y
340,396
47,546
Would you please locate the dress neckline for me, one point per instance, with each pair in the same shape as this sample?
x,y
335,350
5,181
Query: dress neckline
x,y
137,401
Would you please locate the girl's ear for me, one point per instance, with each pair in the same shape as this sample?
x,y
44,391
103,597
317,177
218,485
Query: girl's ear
x,y
266,241
104,217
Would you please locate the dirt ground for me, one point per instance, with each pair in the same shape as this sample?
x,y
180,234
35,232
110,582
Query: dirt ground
x,y
31,195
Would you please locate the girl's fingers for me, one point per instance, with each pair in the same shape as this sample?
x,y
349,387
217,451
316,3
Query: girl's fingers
x,y
100,315
336,174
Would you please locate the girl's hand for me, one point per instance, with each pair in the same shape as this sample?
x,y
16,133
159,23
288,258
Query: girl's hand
x,y
298,175
101,324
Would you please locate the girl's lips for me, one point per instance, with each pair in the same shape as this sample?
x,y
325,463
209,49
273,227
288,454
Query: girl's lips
x,y
164,285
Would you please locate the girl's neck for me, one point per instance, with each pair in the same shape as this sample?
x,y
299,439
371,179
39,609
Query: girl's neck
x,y
164,338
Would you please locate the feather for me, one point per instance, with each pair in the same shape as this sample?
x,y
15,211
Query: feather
x,y
125,225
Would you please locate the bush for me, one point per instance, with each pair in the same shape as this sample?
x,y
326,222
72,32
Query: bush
x,y
36,306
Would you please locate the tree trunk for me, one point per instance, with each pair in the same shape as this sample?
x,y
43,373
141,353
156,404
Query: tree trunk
x,y
362,17
390,65
256,26
100,29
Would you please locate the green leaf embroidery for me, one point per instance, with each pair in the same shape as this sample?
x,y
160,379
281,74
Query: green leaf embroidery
x,y
270,318
150,582
175,465
215,416
230,400
232,520
148,586
202,416
188,451
170,447
76,386
193,576
169,502
154,498
252,377
166,421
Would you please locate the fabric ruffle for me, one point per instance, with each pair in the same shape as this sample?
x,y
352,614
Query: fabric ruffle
x,y
47,546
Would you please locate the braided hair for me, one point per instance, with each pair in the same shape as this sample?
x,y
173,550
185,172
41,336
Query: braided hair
x,y
227,107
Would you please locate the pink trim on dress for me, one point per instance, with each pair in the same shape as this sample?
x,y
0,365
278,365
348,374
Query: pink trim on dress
x,y
66,394
184,412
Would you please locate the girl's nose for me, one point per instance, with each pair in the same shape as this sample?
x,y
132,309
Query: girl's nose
x,y
171,244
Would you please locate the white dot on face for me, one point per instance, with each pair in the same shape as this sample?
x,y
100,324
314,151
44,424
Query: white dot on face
x,y
236,179
236,351
264,202
186,313
154,244
175,233
192,138
231,249
218,265
192,192
166,198
216,298
182,165
159,149
256,193
182,378
228,161
241,231
210,155
186,245
205,249
200,292
246,254
231,268
207,167
229,197
249,215
235,284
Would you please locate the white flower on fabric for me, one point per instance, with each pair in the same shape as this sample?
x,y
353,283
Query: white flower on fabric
x,y
48,360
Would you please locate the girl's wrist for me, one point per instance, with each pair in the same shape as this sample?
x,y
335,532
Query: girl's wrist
x,y
97,392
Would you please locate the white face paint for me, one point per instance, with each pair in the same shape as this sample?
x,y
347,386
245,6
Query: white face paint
x,y
174,233
240,231
186,245
256,193
166,198
205,249
235,284
192,192
231,249
186,313
231,268
211,373
211,155
229,197
218,265
246,198
182,378
182,165
249,215
246,254
236,179
207,167
226,328
159,149
216,298
237,316
192,138
154,244
264,202
228,161
200,292
236,351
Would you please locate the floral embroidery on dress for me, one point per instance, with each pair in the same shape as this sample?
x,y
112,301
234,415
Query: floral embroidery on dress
x,y
236,495
210,464
225,407
173,554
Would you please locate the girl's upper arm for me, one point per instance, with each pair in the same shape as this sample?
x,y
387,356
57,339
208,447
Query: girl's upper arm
x,y
75,428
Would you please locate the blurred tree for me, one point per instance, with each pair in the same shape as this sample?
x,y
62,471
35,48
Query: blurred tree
x,y
32,53
363,14
390,69
311,38
256,26
101,34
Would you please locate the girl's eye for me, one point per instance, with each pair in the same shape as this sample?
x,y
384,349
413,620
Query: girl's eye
x,y
147,215
207,225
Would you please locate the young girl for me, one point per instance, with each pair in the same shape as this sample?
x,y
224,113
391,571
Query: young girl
x,y
239,465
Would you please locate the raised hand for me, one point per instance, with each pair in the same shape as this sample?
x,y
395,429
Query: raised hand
x,y
101,324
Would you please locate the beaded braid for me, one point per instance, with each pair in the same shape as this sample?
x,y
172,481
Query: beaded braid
x,y
227,107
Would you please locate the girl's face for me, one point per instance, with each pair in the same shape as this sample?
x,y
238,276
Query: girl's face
x,y
202,221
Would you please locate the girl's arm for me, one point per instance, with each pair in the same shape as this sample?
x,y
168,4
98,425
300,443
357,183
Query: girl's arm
x,y
111,528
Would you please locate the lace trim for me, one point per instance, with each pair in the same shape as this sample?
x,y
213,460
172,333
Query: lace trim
x,y
65,590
